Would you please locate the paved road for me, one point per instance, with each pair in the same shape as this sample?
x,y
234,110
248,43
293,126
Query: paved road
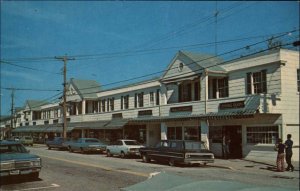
x,y
64,171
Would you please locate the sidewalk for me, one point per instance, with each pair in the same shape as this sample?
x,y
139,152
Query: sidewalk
x,y
243,164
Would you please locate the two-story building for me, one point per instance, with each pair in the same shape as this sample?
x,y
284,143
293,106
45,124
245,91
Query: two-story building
x,y
253,101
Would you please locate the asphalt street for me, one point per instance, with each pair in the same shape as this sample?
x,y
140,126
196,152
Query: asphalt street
x,y
64,171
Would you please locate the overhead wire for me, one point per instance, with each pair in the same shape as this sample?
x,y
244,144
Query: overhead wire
x,y
216,56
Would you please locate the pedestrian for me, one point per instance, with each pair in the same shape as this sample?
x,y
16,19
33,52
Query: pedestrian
x,y
289,153
280,156
225,146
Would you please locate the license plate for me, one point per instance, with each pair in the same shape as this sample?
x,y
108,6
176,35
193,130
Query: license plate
x,y
14,172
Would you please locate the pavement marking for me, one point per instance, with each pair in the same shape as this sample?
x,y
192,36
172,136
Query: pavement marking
x,y
98,166
38,188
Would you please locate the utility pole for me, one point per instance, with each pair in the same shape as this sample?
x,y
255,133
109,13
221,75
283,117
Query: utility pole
x,y
12,112
64,59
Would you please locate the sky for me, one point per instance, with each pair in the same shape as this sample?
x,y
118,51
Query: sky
x,y
112,41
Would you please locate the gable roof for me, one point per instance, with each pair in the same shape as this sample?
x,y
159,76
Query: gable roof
x,y
35,104
205,61
86,88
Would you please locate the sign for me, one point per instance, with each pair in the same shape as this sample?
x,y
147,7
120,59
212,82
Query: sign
x,y
232,105
180,109
117,115
145,112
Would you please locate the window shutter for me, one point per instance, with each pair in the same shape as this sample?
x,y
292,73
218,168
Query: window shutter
x,y
264,81
122,102
249,84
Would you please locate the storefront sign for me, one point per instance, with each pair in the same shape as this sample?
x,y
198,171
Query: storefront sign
x,y
145,112
232,105
180,109
117,115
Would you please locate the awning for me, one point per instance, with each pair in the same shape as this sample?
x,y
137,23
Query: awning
x,y
251,107
116,123
29,129
89,125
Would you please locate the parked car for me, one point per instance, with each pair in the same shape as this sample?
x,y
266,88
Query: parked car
x,y
14,138
177,151
87,145
123,148
16,160
57,142
26,140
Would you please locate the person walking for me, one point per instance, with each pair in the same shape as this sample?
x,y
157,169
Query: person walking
x,y
289,153
280,156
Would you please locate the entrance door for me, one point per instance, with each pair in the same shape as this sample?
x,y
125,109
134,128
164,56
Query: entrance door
x,y
235,145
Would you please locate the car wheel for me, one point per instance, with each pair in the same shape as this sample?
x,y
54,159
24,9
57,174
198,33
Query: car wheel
x,y
70,149
145,158
108,154
81,150
171,162
205,164
122,155
35,175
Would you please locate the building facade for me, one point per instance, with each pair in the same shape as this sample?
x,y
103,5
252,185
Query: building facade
x,y
251,101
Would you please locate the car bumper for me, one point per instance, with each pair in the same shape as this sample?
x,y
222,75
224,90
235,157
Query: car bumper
x,y
134,153
198,161
94,149
19,172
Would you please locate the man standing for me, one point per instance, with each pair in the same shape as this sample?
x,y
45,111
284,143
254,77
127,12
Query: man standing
x,y
289,152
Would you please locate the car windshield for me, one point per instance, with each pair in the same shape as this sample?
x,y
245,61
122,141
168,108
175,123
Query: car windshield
x,y
131,143
194,146
12,149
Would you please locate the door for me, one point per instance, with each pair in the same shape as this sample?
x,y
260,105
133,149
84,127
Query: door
x,y
234,134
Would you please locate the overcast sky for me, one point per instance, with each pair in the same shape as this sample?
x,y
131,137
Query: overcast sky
x,y
119,40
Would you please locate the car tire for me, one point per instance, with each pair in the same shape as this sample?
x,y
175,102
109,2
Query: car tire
x,y
171,162
70,149
145,158
35,175
122,155
108,154
82,151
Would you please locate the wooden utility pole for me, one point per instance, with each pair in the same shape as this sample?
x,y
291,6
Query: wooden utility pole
x,y
12,112
64,59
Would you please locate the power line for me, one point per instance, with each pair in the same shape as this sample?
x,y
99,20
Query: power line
x,y
216,56
29,89
202,69
26,67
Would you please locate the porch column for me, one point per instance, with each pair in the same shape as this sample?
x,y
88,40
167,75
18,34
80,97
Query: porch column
x,y
83,107
163,131
76,105
204,88
204,132
164,94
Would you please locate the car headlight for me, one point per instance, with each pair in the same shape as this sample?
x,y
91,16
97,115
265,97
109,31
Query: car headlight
x,y
36,163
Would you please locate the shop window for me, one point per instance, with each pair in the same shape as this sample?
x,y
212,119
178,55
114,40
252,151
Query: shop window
x,y
141,99
185,93
219,88
157,96
103,105
112,104
257,82
197,90
126,102
215,134
264,135
174,133
151,98
191,133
